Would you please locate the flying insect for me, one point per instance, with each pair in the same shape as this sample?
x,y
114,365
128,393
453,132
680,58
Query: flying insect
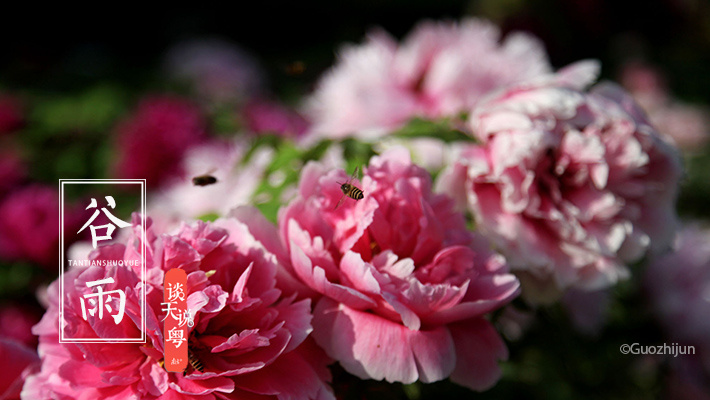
x,y
350,190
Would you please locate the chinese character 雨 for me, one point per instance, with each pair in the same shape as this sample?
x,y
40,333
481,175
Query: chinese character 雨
x,y
100,300
109,227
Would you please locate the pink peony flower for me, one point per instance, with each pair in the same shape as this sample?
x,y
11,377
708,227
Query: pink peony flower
x,y
218,70
263,116
29,225
441,69
569,185
251,340
152,141
401,287
678,289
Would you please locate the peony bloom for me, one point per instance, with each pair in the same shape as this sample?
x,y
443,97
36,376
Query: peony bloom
x,y
262,116
441,69
400,286
570,185
678,289
237,182
29,225
251,340
218,71
151,142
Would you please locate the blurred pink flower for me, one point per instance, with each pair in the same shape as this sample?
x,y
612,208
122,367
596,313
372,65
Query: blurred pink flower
x,y
20,361
16,323
401,287
237,182
687,124
569,185
687,380
219,71
262,116
152,141
12,168
12,115
29,225
18,347
442,69
587,310
251,340
678,289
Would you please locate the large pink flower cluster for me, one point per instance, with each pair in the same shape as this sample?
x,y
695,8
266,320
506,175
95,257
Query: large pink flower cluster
x,y
401,286
569,184
251,340
441,69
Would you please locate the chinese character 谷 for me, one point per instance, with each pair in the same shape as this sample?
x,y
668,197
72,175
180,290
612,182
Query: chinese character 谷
x,y
100,300
176,336
109,227
175,292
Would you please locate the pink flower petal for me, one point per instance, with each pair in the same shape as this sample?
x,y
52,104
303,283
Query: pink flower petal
x,y
478,350
370,346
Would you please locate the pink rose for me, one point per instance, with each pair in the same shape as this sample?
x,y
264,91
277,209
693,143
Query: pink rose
x,y
251,340
152,141
400,285
441,69
570,185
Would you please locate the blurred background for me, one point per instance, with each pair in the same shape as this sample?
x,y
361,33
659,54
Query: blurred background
x,y
74,84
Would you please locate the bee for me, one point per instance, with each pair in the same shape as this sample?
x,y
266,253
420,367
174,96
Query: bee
x,y
194,361
349,189
204,180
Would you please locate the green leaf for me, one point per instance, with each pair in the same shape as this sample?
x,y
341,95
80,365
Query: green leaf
x,y
443,130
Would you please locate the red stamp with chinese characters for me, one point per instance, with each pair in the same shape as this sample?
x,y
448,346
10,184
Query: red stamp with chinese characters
x,y
177,321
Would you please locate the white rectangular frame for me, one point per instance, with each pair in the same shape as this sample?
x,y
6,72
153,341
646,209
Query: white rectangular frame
x,y
62,338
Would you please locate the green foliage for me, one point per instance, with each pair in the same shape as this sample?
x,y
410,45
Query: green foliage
x,y
443,129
